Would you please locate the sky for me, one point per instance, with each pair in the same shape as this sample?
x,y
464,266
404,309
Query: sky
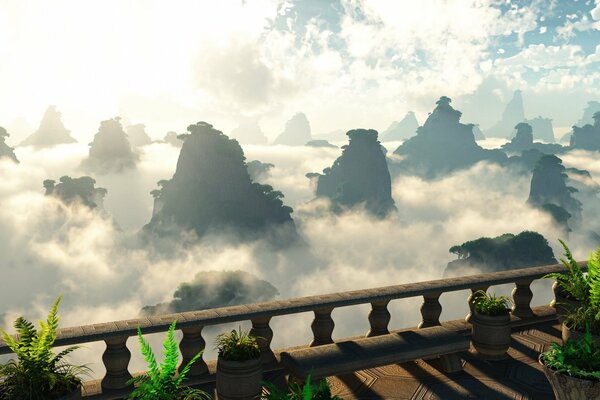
x,y
345,63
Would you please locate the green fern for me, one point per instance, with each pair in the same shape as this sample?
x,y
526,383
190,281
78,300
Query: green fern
x,y
162,382
309,391
37,373
574,283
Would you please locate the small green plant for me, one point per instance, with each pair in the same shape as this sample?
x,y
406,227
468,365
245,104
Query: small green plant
x,y
577,358
237,346
582,287
161,382
38,373
490,304
309,391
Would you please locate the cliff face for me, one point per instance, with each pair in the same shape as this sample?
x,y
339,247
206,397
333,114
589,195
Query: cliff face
x,y
588,136
442,145
359,176
51,131
512,115
137,135
502,253
5,150
523,139
110,151
542,129
81,190
403,129
297,131
548,186
249,132
211,190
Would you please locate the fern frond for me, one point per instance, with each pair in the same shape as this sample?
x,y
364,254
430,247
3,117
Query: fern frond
x,y
153,371
171,352
187,368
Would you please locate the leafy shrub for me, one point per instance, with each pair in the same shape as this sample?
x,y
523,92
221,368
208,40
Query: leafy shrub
x,y
162,382
237,346
490,304
577,358
38,373
309,391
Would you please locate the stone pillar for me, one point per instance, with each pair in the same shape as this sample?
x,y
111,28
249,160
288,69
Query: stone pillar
x,y
471,299
379,318
431,309
116,360
191,344
522,296
322,326
264,335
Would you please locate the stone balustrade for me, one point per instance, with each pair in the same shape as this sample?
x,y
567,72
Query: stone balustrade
x,y
116,356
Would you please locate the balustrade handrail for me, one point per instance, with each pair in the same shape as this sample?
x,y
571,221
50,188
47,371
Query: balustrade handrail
x,y
217,316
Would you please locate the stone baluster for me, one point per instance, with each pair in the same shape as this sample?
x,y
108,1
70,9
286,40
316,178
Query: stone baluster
x,y
522,296
322,326
191,344
379,318
472,299
431,309
264,334
116,360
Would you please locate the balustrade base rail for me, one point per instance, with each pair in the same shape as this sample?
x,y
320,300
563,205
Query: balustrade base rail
x,y
541,314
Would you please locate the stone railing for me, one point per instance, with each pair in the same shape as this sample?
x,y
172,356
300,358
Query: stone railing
x,y
115,334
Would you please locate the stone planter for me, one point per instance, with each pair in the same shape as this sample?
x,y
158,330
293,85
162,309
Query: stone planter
x,y
568,333
491,335
561,303
238,380
566,387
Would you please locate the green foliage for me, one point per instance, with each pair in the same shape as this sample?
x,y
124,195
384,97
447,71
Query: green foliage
x,y
237,346
582,287
490,304
161,382
38,373
308,391
577,358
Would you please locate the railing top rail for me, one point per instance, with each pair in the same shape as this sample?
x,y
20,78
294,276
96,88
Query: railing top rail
x,y
216,316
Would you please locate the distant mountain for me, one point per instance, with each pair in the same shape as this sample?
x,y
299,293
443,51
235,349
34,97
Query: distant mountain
x,y
248,132
477,132
5,150
321,143
588,113
172,138
549,187
442,145
296,133
514,113
81,190
542,129
51,131
339,135
213,289
587,137
360,176
400,130
211,191
523,140
137,135
110,151
502,253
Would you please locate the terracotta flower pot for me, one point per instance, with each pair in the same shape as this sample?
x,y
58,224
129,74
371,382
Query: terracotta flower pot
x,y
239,380
561,303
491,335
566,387
568,333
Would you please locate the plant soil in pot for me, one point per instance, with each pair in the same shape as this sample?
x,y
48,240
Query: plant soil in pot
x,y
239,367
491,333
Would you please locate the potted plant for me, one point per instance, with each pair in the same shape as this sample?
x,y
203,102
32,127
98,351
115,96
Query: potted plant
x,y
491,325
583,291
38,373
239,369
573,369
309,391
161,381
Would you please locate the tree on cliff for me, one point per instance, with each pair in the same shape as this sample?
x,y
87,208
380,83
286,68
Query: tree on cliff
x,y
213,289
5,150
50,132
211,190
504,252
359,176
71,190
110,151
